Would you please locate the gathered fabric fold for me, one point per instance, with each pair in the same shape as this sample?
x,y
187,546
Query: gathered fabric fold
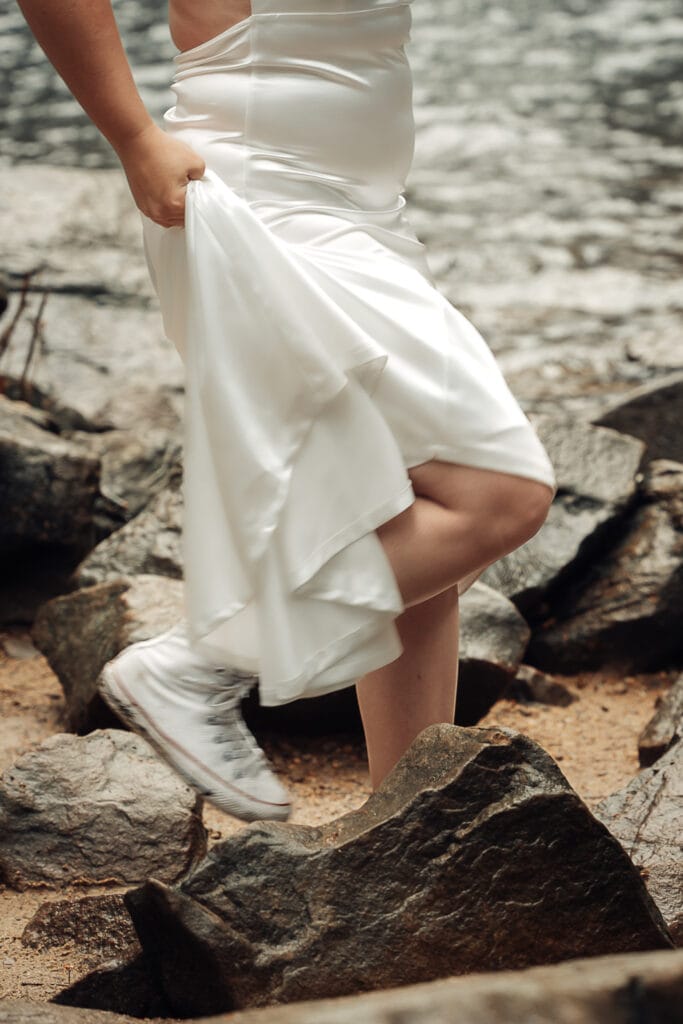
x,y
289,466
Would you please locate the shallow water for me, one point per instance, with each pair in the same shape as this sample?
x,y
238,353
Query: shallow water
x,y
572,63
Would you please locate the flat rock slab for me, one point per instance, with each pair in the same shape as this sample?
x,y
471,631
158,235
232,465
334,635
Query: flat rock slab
x,y
597,475
102,365
79,632
88,241
646,816
665,727
474,853
94,809
625,612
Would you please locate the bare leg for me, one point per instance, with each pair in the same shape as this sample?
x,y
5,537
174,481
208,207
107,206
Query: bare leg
x,y
399,700
462,520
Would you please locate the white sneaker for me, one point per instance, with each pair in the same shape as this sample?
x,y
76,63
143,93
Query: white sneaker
x,y
188,708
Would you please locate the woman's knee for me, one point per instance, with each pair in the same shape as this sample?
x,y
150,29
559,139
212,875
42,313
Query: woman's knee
x,y
507,509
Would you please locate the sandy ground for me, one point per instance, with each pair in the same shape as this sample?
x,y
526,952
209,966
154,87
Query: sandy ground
x,y
594,741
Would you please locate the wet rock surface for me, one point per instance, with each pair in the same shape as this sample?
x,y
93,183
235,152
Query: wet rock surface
x,y
80,632
97,808
646,816
277,913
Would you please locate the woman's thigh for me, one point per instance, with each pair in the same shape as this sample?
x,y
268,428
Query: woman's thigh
x,y
481,491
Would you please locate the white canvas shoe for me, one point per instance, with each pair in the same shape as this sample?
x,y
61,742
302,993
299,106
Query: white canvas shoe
x,y
188,708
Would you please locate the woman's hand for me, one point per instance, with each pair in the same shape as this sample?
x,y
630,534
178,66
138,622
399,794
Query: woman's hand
x,y
158,168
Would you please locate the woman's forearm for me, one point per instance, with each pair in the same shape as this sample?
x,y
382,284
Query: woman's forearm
x,y
81,39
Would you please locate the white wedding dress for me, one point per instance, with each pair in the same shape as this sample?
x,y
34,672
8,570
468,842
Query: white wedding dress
x,y
321,360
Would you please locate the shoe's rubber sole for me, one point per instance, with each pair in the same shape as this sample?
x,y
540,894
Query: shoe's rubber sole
x,y
216,791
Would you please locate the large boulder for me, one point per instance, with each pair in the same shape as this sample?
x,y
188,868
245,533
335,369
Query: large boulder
x,y
646,816
474,854
654,413
150,544
81,631
625,611
597,472
48,485
94,809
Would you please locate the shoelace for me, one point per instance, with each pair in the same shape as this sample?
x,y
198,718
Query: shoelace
x,y
239,742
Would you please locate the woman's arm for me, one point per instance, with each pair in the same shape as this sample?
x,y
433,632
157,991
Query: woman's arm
x,y
82,41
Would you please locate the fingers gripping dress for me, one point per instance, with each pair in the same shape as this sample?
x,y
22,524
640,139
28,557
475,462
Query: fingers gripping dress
x,y
321,361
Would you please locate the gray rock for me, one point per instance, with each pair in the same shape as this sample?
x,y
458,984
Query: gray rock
x,y
88,242
99,925
150,543
625,611
646,816
530,684
665,727
48,486
79,632
474,854
93,809
102,366
493,639
654,413
597,474
135,466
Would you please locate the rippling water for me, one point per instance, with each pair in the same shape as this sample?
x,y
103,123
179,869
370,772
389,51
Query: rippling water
x,y
617,62
42,120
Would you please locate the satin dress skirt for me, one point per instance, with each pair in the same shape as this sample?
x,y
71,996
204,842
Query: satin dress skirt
x,y
321,360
